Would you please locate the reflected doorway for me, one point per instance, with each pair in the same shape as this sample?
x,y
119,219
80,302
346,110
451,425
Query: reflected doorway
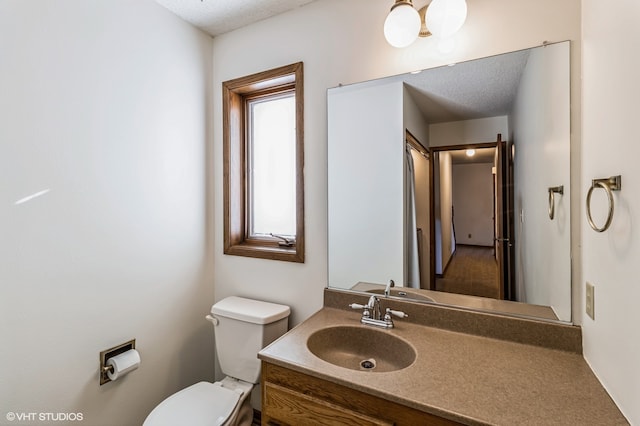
x,y
471,230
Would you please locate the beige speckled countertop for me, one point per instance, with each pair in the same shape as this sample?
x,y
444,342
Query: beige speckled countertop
x,y
467,378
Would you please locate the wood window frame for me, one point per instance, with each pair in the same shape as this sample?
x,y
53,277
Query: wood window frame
x,y
235,94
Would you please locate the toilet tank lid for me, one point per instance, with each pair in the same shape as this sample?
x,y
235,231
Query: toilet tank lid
x,y
249,310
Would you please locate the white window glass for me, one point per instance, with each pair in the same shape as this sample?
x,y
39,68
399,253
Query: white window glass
x,y
272,166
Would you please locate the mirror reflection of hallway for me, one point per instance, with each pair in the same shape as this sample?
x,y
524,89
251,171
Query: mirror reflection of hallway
x,y
472,271
466,208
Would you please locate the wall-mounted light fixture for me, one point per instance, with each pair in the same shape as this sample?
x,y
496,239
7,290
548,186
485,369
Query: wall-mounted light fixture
x,y
441,18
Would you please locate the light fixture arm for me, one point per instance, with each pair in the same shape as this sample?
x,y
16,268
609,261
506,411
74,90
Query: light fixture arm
x,y
402,2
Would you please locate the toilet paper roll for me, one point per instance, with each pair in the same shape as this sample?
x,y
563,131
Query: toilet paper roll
x,y
123,363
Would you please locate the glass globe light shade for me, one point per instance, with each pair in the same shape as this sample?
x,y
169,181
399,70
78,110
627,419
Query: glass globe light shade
x,y
402,26
445,17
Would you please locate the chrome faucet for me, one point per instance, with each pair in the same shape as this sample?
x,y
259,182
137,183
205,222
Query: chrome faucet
x,y
374,307
371,314
388,288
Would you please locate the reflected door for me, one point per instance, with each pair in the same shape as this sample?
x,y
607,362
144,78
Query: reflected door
x,y
504,244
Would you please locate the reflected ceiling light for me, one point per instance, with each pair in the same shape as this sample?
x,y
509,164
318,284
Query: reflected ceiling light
x,y
471,152
402,25
441,18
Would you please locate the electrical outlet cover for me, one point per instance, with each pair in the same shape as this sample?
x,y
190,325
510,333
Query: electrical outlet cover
x,y
590,301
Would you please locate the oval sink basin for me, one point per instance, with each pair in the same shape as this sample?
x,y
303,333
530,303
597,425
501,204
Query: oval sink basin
x,y
402,293
361,348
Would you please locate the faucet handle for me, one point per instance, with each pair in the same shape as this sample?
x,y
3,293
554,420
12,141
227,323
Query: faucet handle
x,y
357,306
398,314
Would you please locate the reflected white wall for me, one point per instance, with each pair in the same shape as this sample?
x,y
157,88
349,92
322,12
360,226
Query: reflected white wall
x,y
473,204
541,134
365,210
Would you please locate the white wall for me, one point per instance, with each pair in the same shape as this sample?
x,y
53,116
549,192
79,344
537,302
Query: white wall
x,y
473,203
541,126
415,123
366,216
443,215
104,103
423,213
611,90
465,132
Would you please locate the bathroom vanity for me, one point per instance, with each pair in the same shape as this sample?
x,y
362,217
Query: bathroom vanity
x,y
291,397
468,368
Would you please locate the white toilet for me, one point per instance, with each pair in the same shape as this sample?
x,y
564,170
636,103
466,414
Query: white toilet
x,y
242,328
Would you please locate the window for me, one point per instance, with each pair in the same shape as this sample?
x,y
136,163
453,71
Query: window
x,y
263,165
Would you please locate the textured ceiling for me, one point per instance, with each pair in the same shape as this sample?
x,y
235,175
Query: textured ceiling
x,y
221,16
474,89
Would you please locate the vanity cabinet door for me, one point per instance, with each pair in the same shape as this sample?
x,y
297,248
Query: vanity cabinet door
x,y
300,409
293,398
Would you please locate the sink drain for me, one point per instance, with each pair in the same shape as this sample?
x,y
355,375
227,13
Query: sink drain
x,y
368,364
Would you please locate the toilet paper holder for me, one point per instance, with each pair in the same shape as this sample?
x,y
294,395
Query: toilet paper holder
x,y
110,353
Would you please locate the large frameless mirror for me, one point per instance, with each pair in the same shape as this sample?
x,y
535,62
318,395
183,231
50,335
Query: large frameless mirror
x,y
443,181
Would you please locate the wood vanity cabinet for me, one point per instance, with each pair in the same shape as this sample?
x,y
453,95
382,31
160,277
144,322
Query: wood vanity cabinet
x,y
293,398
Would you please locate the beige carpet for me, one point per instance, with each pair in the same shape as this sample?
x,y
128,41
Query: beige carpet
x,y
473,271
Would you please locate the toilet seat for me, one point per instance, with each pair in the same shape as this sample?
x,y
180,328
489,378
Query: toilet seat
x,y
201,404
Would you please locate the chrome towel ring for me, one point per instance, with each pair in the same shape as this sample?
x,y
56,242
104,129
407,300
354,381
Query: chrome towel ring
x,y
552,203
613,183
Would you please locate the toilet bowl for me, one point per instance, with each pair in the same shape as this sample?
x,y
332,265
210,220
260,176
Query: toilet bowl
x,y
242,327
203,404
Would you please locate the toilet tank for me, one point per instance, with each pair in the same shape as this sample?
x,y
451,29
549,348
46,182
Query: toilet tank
x,y
243,327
